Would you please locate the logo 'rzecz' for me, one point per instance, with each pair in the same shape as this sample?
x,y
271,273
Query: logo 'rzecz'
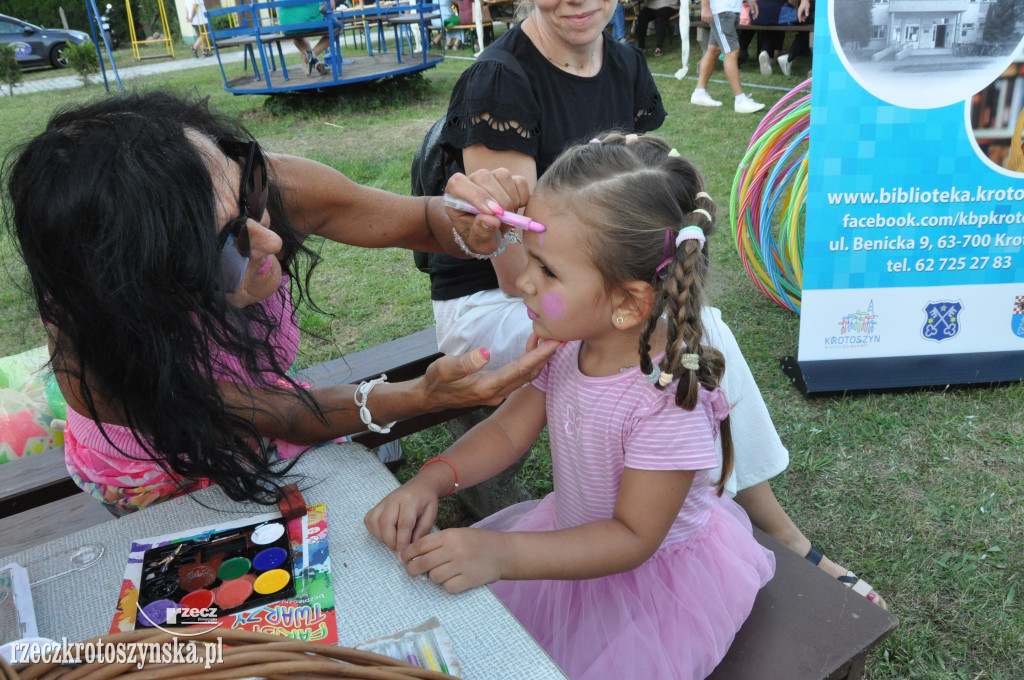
x,y
942,320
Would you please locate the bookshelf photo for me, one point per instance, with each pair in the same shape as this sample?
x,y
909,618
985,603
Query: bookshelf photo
x,y
994,112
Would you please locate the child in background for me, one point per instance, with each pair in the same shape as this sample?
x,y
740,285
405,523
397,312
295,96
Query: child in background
x,y
635,565
724,19
197,17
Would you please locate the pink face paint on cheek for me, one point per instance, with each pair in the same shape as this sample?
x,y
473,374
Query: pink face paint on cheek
x,y
553,305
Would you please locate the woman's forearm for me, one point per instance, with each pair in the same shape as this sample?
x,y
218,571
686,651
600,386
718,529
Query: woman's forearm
x,y
450,382
321,201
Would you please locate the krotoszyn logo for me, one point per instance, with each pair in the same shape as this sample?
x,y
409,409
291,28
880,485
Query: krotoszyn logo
x,y
857,329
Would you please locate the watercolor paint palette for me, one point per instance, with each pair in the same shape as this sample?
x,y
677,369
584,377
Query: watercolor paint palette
x,y
233,570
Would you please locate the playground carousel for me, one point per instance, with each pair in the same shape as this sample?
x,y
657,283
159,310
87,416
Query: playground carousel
x,y
382,39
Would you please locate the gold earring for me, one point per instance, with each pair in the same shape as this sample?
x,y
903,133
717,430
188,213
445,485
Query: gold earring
x,y
619,321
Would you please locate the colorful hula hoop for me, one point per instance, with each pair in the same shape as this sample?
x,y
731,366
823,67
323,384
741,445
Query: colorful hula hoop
x,y
771,184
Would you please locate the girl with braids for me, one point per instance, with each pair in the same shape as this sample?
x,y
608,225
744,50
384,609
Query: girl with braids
x,y
635,565
161,244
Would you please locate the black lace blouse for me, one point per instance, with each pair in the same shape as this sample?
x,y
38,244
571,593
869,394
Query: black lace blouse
x,y
495,106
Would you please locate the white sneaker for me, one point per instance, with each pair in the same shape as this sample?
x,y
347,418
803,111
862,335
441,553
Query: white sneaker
x,y
745,104
703,99
784,64
766,63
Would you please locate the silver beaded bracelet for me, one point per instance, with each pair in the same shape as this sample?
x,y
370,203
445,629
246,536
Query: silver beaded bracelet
x,y
510,237
363,391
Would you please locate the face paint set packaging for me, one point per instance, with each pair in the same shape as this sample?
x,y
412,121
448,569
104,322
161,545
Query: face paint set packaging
x,y
261,573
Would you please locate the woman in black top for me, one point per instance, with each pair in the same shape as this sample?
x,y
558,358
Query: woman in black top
x,y
572,82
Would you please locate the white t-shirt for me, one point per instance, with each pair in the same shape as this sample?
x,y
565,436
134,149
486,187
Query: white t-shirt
x,y
199,17
719,6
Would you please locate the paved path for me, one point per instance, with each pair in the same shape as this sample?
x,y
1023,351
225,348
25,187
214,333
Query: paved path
x,y
69,79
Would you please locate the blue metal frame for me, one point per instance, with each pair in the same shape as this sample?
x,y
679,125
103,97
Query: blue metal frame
x,y
93,12
255,36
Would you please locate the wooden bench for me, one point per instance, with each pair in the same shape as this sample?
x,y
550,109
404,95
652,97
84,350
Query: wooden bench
x,y
800,28
58,518
805,625
488,27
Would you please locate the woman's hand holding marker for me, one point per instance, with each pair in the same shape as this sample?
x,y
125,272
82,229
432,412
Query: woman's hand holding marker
x,y
483,207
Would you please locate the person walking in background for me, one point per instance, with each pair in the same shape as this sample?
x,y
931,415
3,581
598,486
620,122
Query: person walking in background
x,y
723,16
197,18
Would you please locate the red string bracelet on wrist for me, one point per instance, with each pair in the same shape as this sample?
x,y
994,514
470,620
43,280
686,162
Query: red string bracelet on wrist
x,y
435,459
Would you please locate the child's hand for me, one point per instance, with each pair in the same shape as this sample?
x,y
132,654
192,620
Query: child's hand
x,y
705,11
753,8
405,514
458,559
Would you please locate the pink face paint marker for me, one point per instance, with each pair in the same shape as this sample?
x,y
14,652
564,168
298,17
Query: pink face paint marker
x,y
511,218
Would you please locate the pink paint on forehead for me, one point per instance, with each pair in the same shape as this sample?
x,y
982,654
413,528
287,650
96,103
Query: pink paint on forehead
x,y
553,305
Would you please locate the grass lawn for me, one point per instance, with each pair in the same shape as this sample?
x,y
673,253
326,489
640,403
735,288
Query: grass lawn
x,y
917,492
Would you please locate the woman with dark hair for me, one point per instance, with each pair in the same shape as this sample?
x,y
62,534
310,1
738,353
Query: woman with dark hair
x,y
163,249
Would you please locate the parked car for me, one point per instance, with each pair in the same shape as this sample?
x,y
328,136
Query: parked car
x,y
35,45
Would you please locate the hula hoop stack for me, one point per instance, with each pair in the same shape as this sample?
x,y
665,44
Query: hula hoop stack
x,y
770,184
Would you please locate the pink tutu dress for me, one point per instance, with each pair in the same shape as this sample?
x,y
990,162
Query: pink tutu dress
x,y
675,615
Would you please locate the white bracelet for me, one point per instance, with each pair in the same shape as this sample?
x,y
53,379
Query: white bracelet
x,y
363,391
510,237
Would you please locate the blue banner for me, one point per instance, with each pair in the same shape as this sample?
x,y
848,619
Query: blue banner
x,y
915,201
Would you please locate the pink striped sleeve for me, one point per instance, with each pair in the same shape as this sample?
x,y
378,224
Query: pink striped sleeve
x,y
671,438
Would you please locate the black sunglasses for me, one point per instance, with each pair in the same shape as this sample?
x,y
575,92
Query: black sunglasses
x,y
252,202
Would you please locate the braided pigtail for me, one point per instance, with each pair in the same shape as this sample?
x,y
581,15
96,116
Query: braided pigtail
x,y
683,293
695,364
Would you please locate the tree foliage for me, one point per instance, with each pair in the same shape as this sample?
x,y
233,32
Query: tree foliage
x,y
10,72
83,59
1001,24
853,21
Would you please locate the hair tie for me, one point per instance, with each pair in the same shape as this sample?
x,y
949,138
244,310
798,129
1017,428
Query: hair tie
x,y
690,362
704,212
595,140
668,253
665,379
673,153
630,138
703,194
691,233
